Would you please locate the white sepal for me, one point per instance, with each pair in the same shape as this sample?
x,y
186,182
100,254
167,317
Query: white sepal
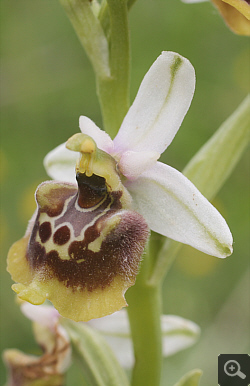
x,y
173,207
60,164
161,103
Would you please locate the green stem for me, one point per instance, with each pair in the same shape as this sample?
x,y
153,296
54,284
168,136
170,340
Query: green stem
x,y
144,313
103,15
113,92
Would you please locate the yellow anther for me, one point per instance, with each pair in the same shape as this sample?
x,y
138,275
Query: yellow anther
x,y
82,143
87,146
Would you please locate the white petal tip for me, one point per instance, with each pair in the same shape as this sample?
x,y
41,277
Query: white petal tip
x,y
225,251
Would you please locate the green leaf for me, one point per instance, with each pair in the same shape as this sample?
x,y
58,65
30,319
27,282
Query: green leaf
x,y
113,92
90,33
192,378
214,162
97,360
208,170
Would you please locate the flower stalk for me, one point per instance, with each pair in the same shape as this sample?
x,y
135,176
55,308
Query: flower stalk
x,y
144,313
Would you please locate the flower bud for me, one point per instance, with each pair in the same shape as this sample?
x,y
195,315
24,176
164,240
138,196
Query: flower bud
x,y
49,369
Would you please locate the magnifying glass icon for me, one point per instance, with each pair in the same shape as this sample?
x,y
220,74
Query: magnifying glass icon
x,y
232,368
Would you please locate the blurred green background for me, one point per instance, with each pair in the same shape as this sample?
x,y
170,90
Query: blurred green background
x,y
47,83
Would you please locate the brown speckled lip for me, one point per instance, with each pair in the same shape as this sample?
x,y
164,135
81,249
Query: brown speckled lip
x,y
45,231
62,235
57,197
80,219
118,254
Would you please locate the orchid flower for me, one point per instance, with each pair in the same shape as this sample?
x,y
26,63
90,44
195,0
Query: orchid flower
x,y
83,245
236,14
169,202
53,338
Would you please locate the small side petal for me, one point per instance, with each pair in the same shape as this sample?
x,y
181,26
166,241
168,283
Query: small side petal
x,y
133,163
174,207
60,164
161,103
101,138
